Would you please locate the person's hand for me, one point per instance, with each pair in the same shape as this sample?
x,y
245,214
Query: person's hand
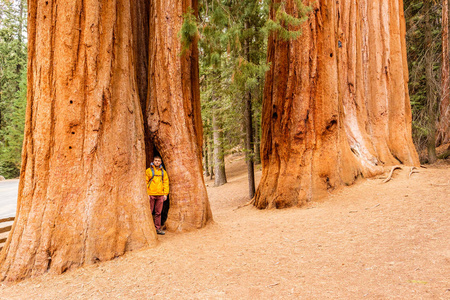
x,y
165,197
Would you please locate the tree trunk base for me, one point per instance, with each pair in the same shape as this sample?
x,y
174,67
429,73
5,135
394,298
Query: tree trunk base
x,y
334,111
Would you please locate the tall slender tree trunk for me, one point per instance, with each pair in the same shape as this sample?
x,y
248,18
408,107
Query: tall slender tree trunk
x,y
220,177
81,194
206,155
443,134
211,155
173,113
248,123
249,152
21,20
257,146
431,96
336,103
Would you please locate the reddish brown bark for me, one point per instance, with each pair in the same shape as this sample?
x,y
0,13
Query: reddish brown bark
x,y
443,134
140,18
174,114
92,80
82,195
336,103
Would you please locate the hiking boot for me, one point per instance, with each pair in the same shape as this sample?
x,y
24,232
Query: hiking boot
x,y
158,231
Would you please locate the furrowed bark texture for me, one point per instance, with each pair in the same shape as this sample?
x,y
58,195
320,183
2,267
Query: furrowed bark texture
x,y
443,134
82,196
140,18
336,103
174,114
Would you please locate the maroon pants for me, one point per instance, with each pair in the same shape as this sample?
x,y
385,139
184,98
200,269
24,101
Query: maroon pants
x,y
156,202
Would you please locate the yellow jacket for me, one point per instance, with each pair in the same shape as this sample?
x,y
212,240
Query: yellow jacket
x,y
159,185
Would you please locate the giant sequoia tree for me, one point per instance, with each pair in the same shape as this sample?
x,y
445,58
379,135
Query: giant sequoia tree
x,y
336,103
82,196
174,113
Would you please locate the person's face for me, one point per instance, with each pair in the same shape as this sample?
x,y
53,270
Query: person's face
x,y
157,162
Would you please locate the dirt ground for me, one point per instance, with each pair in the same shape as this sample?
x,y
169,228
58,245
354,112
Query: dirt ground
x,y
368,241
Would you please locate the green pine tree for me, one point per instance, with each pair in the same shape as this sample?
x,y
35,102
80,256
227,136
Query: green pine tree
x,y
424,103
13,61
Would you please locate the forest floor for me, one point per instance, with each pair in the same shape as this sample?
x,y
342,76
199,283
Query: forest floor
x,y
373,240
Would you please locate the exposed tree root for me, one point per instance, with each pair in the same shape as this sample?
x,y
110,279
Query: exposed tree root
x,y
413,170
391,173
445,155
246,204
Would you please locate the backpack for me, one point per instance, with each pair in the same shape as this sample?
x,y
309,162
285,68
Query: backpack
x,y
153,174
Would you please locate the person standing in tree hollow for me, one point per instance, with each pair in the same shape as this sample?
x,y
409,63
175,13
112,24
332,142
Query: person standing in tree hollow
x,y
157,189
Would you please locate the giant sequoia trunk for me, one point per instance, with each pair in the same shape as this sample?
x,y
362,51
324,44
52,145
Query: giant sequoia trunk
x,y
82,194
173,114
141,30
336,102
